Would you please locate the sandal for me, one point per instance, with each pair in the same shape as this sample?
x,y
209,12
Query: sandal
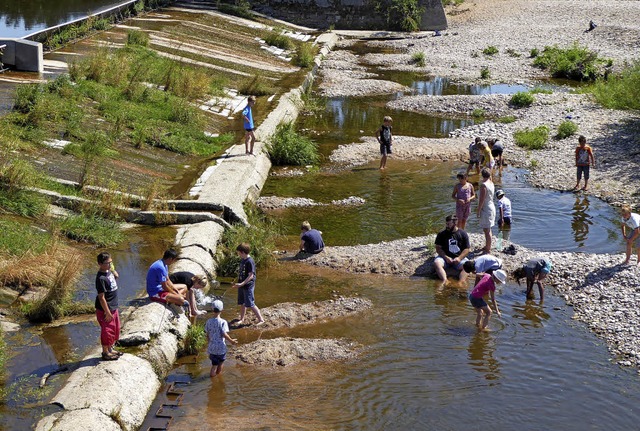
x,y
109,357
116,352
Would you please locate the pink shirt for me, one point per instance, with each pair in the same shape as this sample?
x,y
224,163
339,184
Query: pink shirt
x,y
484,286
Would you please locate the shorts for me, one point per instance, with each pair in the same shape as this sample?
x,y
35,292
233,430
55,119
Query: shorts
x,y
477,302
385,148
474,162
245,296
217,359
249,130
582,169
505,221
637,241
495,152
160,297
447,265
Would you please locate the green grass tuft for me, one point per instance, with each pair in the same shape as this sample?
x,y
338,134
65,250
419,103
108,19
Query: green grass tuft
x,y
304,55
17,239
418,58
532,139
522,99
576,62
506,119
490,50
194,340
279,40
288,147
485,73
566,129
619,91
91,229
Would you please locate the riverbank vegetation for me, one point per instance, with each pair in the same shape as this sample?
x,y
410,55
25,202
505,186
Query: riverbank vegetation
x,y
194,340
288,147
532,139
575,62
620,90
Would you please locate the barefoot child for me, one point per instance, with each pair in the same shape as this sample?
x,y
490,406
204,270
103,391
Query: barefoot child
x,y
217,330
632,222
107,306
247,117
463,193
246,283
476,297
584,157
383,134
474,155
535,270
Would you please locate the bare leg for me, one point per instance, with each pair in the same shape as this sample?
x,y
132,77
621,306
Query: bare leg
x,y
478,317
628,251
442,275
253,141
462,223
243,311
541,291
256,311
487,239
487,315
383,162
463,275
247,138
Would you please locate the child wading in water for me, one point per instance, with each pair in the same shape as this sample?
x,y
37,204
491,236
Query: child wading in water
x,y
383,134
217,330
630,222
246,284
463,193
476,297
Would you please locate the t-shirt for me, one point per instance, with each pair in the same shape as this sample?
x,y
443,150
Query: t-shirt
x,y
215,328
484,286
633,222
385,134
247,113
487,262
247,266
582,155
312,241
453,243
106,283
182,277
474,152
158,273
534,266
505,204
497,145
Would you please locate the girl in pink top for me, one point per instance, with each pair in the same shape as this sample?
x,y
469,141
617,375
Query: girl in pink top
x,y
463,193
486,285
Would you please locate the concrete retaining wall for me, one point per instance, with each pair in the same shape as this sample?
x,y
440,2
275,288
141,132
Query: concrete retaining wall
x,y
22,55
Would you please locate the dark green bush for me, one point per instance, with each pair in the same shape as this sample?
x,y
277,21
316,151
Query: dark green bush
x,y
241,9
288,147
137,37
490,50
404,15
575,62
277,39
304,55
566,129
532,139
619,91
522,99
485,73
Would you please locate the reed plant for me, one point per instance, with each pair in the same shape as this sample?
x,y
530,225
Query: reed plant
x,y
257,85
194,340
137,37
620,90
91,228
532,139
18,239
15,177
278,39
304,55
288,147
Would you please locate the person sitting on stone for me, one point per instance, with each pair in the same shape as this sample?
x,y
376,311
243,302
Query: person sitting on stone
x,y
310,239
452,247
190,281
159,286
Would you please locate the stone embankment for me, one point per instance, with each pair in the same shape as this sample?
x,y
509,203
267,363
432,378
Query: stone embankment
x,y
603,292
110,395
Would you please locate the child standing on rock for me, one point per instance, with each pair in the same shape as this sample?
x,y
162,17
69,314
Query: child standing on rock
x,y
463,193
476,297
383,134
217,330
246,284
584,157
247,116
107,306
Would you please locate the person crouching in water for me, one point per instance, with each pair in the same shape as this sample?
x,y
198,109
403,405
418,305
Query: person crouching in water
x,y
476,297
535,270
217,330
310,239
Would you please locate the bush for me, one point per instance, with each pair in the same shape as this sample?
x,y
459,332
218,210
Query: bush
x,y
576,62
620,91
485,73
137,37
194,340
506,119
242,8
277,39
532,139
418,58
261,235
287,147
534,52
513,53
566,129
478,113
305,53
404,15
522,99
490,50
27,97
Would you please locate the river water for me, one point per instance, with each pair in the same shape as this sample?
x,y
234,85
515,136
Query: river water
x,y
422,363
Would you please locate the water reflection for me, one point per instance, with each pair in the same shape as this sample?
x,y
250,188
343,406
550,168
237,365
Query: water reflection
x,y
530,314
482,357
581,219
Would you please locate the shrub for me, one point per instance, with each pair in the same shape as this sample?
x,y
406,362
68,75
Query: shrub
x,y
490,50
137,37
478,113
507,119
418,58
566,129
404,15
241,8
261,235
620,91
522,99
304,55
513,53
277,39
194,340
575,62
288,147
532,139
23,203
15,176
485,73
26,97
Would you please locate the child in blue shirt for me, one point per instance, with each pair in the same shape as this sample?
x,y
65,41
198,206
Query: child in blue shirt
x,y
246,284
247,116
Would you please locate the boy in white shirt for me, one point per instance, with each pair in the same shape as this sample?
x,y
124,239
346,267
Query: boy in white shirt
x,y
217,330
632,221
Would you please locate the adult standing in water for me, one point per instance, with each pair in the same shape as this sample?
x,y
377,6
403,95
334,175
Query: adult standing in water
x,y
486,209
452,247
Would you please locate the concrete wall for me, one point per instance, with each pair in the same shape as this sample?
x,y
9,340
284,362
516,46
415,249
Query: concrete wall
x,y
22,55
346,14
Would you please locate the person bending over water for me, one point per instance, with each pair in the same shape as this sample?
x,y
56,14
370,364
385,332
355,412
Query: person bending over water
x,y
535,270
486,285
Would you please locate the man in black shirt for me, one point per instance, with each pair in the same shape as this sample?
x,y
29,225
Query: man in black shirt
x,y
452,247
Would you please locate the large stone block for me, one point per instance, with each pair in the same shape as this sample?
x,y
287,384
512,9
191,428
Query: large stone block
x,y
78,420
29,56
